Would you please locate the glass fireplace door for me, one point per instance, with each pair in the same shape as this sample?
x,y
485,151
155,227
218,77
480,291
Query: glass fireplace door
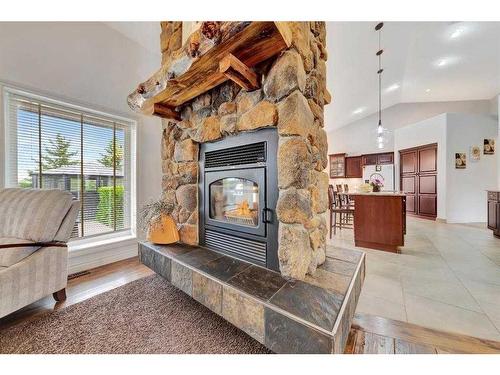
x,y
235,199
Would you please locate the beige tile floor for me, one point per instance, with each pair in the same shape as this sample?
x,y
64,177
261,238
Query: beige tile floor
x,y
447,277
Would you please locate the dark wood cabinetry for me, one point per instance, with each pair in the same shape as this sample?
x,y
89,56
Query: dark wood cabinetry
x,y
494,212
342,166
379,221
370,159
418,180
337,166
387,158
378,159
353,167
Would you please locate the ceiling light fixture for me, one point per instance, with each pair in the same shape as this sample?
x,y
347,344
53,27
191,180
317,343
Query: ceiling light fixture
x,y
458,32
441,62
428,90
393,87
446,61
359,110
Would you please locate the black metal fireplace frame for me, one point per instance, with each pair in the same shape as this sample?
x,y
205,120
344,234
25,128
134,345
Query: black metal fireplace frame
x,y
219,236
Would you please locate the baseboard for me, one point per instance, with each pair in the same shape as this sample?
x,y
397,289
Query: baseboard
x,y
99,255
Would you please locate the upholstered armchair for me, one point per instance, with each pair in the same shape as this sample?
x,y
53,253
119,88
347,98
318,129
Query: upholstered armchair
x,y
35,226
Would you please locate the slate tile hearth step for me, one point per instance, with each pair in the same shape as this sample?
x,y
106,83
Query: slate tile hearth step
x,y
173,250
329,280
198,257
348,255
182,278
285,335
224,267
156,261
339,266
309,302
258,282
287,316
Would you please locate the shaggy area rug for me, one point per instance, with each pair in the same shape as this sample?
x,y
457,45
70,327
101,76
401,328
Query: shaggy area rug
x,y
146,316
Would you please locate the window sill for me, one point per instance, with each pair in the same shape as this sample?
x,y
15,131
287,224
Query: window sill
x,y
98,241
97,251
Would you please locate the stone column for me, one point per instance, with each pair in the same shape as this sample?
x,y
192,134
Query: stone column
x,y
170,39
297,83
291,99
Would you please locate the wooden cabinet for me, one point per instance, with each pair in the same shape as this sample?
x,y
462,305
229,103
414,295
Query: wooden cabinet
x,y
387,158
353,168
494,212
418,180
342,166
337,166
378,159
379,221
370,159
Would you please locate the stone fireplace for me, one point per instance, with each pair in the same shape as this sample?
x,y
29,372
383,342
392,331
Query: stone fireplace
x,y
217,203
243,152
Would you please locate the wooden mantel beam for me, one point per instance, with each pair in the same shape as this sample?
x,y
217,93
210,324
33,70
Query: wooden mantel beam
x,y
195,68
239,73
164,111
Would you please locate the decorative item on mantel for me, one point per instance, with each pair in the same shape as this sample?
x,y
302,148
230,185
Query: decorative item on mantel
x,y
155,219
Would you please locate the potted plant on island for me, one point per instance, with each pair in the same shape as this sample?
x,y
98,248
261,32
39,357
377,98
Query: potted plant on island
x,y
155,219
376,185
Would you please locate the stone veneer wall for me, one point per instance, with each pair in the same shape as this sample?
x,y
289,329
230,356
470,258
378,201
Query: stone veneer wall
x,y
291,99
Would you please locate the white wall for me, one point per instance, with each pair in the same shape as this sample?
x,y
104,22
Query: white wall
x,y
461,192
432,130
359,137
466,188
90,64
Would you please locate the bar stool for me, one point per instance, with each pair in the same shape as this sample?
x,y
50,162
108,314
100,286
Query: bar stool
x,y
336,207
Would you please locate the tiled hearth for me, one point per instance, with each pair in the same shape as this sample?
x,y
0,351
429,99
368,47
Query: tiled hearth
x,y
287,316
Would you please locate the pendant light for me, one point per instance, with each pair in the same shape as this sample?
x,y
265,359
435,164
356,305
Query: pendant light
x,y
380,129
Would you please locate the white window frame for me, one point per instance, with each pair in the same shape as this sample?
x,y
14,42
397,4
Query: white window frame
x,y
76,244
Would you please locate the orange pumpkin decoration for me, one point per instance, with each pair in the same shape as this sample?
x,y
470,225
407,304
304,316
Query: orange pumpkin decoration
x,y
163,231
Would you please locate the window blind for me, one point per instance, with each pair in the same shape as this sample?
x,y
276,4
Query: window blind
x,y
53,146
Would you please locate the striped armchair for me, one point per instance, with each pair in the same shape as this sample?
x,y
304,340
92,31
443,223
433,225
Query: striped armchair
x,y
34,228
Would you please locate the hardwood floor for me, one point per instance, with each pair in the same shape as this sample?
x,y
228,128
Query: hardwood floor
x,y
98,280
369,334
373,334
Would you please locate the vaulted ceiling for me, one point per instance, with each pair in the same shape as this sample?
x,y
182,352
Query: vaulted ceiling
x,y
422,61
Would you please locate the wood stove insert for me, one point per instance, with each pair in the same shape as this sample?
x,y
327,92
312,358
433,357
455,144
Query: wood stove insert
x,y
238,195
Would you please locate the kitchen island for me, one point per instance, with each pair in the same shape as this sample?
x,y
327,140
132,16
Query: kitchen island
x,y
379,220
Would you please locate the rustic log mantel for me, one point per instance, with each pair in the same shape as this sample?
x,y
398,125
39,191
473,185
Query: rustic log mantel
x,y
218,51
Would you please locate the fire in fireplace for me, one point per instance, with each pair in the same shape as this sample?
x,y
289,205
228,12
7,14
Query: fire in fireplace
x,y
238,195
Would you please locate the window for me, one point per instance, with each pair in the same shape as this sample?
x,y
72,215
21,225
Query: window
x,y
59,146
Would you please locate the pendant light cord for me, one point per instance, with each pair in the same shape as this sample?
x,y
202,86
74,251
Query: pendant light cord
x,y
378,29
379,79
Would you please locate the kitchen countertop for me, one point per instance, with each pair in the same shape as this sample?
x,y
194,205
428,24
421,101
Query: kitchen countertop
x,y
381,194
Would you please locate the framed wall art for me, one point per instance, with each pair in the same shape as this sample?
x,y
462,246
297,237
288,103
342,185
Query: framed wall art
x,y
489,147
475,153
460,160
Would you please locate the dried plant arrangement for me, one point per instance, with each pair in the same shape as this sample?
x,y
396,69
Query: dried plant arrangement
x,y
151,213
